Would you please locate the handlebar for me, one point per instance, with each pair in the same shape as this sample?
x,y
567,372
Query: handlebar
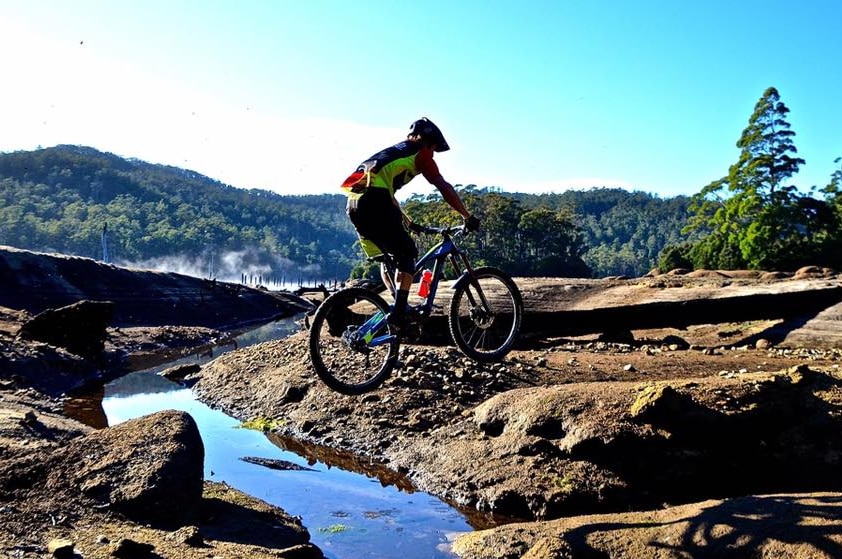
x,y
444,231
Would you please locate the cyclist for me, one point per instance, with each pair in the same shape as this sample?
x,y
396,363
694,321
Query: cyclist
x,y
376,214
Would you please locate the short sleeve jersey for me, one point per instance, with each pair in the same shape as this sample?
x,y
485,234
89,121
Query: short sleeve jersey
x,y
392,168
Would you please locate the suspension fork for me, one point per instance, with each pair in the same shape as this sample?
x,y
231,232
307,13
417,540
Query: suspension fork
x,y
469,274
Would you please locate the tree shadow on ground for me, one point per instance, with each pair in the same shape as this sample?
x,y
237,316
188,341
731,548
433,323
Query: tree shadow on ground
x,y
733,528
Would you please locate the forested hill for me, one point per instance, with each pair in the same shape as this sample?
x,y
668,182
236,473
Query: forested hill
x,y
63,198
60,199
624,232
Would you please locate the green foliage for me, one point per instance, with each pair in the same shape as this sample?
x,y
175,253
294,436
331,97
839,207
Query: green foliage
x,y
367,269
335,529
623,233
262,424
752,217
525,242
826,235
676,256
60,199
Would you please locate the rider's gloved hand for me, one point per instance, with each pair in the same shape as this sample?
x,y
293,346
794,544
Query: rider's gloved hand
x,y
413,227
471,223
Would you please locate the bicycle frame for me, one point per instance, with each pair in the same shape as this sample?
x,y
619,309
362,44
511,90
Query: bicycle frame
x,y
441,253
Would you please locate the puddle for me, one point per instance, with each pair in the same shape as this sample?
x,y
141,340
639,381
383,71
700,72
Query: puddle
x,y
348,514
352,507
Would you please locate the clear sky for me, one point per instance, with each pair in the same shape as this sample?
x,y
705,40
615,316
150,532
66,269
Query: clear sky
x,y
532,95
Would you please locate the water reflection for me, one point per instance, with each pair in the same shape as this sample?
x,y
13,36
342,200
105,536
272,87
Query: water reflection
x,y
373,513
347,514
87,408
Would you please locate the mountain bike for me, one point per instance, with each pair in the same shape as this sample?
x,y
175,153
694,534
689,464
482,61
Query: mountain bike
x,y
354,349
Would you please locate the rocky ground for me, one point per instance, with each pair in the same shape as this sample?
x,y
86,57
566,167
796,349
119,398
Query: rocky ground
x,y
136,489
708,440
572,427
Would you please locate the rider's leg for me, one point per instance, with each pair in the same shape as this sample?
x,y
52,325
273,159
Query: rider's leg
x,y
404,282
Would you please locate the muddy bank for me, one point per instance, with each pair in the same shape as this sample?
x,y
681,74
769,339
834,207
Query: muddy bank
x,y
574,427
137,489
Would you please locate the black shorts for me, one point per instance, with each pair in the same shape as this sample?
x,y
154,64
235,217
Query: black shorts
x,y
376,218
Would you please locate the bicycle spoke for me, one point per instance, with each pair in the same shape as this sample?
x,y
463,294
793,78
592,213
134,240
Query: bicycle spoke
x,y
485,315
339,342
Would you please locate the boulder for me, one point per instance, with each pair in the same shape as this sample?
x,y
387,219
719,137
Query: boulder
x,y
151,469
79,328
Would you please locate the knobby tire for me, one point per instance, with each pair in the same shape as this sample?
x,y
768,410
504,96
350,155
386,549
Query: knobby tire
x,y
350,368
482,335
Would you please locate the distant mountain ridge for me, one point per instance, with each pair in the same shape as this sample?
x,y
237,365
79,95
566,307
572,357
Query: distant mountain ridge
x,y
62,198
77,200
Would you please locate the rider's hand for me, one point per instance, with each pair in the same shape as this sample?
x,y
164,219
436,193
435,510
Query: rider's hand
x,y
471,223
412,226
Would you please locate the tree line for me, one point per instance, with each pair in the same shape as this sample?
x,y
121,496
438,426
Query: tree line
x,y
60,199
754,217
63,199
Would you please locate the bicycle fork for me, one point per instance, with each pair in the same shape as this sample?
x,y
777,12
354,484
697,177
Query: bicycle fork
x,y
468,275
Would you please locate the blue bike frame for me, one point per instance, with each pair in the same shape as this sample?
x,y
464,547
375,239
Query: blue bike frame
x,y
438,254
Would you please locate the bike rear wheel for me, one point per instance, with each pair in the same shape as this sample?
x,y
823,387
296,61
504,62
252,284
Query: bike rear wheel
x,y
346,353
485,314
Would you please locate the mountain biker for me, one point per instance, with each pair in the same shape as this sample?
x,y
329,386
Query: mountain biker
x,y
376,214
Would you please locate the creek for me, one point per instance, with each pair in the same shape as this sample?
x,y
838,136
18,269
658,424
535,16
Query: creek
x,y
349,515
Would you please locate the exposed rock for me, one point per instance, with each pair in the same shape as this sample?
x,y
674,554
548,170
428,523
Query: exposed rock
x,y
35,282
188,535
812,272
587,446
180,372
275,464
80,328
61,548
493,437
798,526
150,469
678,272
126,548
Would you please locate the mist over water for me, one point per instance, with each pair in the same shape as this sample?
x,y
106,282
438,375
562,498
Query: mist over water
x,y
249,266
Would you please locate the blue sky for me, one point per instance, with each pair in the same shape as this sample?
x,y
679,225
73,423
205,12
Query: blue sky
x,y
532,95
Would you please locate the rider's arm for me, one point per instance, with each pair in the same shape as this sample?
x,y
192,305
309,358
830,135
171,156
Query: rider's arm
x,y
430,170
451,196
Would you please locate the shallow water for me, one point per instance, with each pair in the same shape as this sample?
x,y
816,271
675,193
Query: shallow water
x,y
348,514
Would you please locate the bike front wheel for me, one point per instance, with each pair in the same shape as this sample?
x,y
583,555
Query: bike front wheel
x,y
485,314
351,347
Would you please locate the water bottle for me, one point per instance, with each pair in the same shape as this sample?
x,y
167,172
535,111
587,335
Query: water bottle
x,y
426,280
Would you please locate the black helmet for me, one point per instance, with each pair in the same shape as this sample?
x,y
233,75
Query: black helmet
x,y
429,133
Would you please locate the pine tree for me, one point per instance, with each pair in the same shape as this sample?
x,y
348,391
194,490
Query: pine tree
x,y
752,214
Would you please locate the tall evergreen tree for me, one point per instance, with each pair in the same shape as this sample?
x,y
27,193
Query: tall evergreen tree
x,y
752,215
829,234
